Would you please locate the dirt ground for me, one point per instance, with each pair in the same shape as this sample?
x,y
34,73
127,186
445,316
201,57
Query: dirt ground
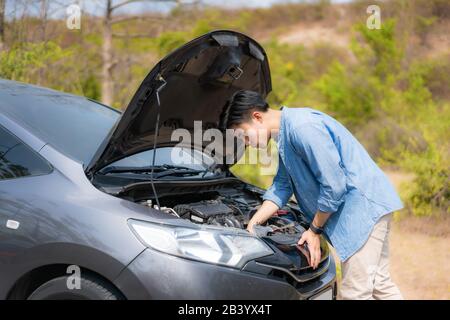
x,y
420,253
420,258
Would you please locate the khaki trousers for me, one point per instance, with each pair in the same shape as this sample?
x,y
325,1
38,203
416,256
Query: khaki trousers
x,y
365,275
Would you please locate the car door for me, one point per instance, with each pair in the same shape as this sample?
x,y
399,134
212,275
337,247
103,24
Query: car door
x,y
18,164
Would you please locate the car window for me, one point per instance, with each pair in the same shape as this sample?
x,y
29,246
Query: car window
x,y
18,160
176,156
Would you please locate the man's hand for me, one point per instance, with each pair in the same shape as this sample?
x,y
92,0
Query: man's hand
x,y
313,241
250,227
267,209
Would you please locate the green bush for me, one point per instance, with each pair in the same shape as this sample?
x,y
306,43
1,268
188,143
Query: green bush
x,y
90,87
380,49
169,41
23,61
429,192
352,99
29,62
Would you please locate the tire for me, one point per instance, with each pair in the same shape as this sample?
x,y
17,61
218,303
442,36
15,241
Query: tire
x,y
91,288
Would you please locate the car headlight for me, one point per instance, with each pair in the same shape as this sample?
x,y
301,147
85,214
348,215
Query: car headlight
x,y
232,247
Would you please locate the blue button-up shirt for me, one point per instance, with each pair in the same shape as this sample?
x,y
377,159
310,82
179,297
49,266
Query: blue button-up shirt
x,y
327,169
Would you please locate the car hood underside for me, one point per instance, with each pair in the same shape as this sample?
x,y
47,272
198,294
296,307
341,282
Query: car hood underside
x,y
193,83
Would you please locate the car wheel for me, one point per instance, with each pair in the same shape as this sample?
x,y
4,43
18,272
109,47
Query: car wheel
x,y
91,288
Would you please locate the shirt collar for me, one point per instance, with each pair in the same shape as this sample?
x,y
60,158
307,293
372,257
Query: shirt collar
x,y
279,138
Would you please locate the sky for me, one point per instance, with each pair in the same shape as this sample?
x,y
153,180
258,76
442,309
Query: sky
x,y
96,7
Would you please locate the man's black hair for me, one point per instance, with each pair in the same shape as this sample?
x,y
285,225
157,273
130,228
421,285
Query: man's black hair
x,y
238,109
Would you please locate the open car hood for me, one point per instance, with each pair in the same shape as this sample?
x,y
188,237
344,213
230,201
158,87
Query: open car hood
x,y
193,83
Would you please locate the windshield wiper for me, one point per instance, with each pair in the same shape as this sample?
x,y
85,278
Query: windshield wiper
x,y
177,172
210,169
144,169
160,170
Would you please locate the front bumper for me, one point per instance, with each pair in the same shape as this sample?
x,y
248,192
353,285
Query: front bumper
x,y
155,275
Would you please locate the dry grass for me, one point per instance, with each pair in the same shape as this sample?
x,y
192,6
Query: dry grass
x,y
420,256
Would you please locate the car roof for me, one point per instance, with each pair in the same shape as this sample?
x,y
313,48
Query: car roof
x,y
52,116
14,91
15,87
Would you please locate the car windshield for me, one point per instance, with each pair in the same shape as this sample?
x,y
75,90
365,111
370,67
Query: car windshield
x,y
172,157
73,125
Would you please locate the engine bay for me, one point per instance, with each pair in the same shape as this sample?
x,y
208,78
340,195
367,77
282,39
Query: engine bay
x,y
233,209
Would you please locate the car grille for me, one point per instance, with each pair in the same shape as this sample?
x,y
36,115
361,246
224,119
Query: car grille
x,y
299,276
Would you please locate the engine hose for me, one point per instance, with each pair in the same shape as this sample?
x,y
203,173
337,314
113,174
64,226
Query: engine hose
x,y
233,221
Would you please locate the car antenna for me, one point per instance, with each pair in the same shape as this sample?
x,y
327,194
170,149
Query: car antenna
x,y
163,84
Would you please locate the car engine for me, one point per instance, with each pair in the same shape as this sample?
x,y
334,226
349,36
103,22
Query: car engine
x,y
283,229
213,212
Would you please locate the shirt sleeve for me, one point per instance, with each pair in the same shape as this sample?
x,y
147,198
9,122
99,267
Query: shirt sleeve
x,y
316,147
281,190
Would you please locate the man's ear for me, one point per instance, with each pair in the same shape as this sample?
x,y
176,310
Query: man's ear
x,y
257,115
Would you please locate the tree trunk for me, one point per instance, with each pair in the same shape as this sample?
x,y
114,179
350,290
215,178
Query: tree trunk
x,y
107,47
2,24
107,57
44,19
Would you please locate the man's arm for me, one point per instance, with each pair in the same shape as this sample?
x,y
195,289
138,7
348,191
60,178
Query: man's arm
x,y
275,197
267,209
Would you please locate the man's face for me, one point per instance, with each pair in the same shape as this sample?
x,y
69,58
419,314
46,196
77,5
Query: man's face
x,y
254,132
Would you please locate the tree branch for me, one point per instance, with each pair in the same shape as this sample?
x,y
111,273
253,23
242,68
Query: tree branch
x,y
123,4
128,18
132,1
124,35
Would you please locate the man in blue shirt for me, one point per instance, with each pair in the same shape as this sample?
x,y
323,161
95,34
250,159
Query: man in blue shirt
x,y
337,186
